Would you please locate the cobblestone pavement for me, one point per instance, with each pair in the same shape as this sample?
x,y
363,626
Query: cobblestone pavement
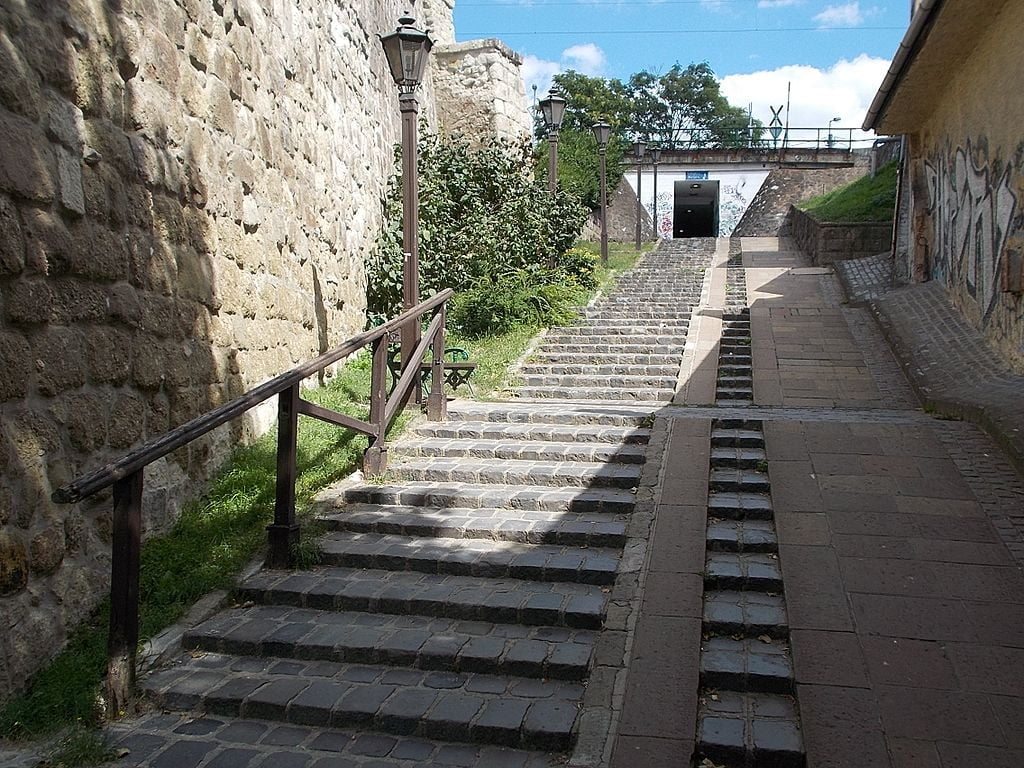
x,y
866,279
898,621
950,366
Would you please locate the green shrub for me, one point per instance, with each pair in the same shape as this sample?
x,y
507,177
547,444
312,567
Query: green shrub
x,y
513,300
580,265
481,214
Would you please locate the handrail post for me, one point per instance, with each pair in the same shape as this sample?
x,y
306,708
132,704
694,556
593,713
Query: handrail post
x,y
283,533
123,637
375,460
437,403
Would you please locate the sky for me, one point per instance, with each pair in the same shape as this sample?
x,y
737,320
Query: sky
x,y
835,53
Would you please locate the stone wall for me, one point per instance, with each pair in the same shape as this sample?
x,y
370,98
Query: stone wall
x,y
480,92
827,243
188,189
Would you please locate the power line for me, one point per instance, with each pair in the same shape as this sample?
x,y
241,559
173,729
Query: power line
x,y
759,30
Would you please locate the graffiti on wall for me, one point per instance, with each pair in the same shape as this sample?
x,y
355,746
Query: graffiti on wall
x,y
973,210
731,206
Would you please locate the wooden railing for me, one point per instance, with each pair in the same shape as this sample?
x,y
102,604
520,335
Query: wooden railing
x,y
126,474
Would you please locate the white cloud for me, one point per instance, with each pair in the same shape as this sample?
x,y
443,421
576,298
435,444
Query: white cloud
x,y
778,3
586,58
848,15
844,90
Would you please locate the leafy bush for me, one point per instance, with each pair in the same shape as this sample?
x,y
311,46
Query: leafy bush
x,y
481,215
514,300
580,265
579,165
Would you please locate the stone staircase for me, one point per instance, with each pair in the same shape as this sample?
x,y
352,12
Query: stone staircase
x,y
459,597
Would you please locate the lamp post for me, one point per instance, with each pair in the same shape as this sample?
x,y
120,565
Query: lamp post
x,y
655,159
553,110
640,146
833,120
406,50
602,132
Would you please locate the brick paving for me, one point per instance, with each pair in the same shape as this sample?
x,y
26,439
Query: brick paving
x,y
867,278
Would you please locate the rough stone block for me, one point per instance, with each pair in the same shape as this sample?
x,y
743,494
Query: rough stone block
x,y
12,239
127,417
47,549
19,88
65,124
15,356
108,355
13,564
29,172
69,174
59,361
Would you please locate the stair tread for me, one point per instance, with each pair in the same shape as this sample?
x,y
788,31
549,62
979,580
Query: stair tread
x,y
746,664
525,450
495,559
737,728
414,641
554,603
456,706
487,430
566,528
517,471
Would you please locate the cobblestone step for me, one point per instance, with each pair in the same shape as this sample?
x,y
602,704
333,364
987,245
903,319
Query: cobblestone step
x,y
559,348
594,318
751,425
467,707
595,393
576,433
632,315
183,740
605,358
411,641
585,369
739,480
623,329
675,341
501,601
587,529
735,369
576,381
737,437
743,571
734,358
746,665
745,614
741,536
735,393
749,729
579,474
478,496
729,456
733,382
607,415
469,557
611,453
735,505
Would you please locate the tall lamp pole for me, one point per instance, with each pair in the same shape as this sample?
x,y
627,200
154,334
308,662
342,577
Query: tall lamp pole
x,y
602,132
655,159
407,49
553,110
640,146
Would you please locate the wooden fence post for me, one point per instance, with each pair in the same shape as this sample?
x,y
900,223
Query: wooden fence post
x,y
123,637
437,403
375,460
283,533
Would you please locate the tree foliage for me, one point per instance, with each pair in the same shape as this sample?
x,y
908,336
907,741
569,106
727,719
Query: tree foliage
x,y
484,221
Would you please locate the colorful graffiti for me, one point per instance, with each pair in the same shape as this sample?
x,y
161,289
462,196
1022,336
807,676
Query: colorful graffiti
x,y
731,205
973,208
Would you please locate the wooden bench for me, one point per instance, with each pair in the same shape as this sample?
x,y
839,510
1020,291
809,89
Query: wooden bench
x,y
457,369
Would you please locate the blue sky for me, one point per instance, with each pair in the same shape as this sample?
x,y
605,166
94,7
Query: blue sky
x,y
834,52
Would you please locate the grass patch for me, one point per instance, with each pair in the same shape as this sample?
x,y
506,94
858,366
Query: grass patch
x,y
81,747
621,256
218,535
866,199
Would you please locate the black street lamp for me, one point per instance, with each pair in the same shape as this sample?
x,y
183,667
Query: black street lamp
x,y
602,132
407,49
553,110
640,147
655,159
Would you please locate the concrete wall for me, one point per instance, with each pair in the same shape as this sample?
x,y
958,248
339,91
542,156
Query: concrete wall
x,y
827,243
480,93
188,190
967,184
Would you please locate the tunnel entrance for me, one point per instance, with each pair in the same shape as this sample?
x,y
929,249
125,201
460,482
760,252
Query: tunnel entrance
x,y
695,212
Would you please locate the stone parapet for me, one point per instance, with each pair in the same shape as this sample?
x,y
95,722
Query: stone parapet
x,y
828,243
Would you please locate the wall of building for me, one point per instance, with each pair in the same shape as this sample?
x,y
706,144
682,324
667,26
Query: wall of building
x,y
967,186
188,189
480,92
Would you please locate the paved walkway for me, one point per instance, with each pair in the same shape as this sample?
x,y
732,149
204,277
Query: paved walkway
x,y
901,641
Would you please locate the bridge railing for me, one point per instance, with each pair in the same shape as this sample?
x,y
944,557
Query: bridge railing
x,y
761,138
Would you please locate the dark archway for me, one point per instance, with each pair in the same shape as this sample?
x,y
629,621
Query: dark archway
x,y
695,209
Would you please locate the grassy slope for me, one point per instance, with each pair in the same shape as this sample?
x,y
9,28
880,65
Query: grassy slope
x,y
217,536
866,199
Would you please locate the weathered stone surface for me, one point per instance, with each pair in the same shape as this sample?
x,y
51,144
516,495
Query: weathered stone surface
x,y
12,239
13,564
59,361
15,354
47,549
27,173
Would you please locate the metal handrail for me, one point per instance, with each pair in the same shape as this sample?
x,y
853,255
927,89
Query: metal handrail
x,y
126,473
